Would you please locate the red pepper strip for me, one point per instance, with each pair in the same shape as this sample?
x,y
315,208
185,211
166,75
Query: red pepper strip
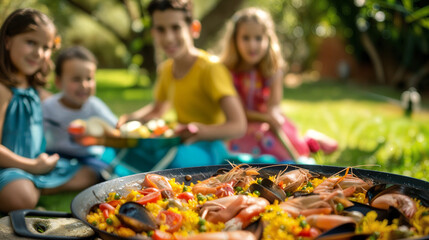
x,y
149,198
107,209
114,203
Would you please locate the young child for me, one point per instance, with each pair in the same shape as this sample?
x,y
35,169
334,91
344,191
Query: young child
x,y
199,89
75,69
27,38
253,55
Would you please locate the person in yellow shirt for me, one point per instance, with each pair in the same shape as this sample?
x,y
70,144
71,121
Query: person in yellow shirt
x,y
198,87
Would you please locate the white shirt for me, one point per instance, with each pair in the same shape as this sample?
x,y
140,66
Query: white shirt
x,y
57,117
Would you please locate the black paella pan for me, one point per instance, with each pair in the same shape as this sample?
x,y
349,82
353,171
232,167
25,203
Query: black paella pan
x,y
83,202
96,194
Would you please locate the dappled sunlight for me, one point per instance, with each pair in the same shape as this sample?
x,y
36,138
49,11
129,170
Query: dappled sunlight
x,y
120,78
294,80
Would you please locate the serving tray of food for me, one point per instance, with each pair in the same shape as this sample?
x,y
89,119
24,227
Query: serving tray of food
x,y
95,131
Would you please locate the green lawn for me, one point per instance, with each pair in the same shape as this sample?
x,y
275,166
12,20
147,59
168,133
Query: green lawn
x,y
370,127
370,130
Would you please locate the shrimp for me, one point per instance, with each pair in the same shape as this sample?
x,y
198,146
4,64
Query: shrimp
x,y
223,185
348,183
308,205
403,203
292,180
326,222
233,235
235,211
158,182
314,204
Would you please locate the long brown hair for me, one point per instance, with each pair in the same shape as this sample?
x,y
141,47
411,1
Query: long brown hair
x,y
18,22
272,62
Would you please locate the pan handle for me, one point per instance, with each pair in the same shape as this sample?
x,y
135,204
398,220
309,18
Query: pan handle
x,y
17,218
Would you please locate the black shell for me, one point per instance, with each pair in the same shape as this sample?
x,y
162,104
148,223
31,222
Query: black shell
x,y
136,217
343,231
380,189
269,190
389,214
274,188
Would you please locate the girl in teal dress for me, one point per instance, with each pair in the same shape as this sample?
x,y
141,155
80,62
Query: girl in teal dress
x,y
27,38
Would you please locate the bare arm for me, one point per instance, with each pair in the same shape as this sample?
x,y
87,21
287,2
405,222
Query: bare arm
x,y
234,126
144,114
276,118
5,96
43,163
43,93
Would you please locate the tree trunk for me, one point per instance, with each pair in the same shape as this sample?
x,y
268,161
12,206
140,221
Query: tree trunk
x,y
399,75
100,21
417,77
149,63
374,56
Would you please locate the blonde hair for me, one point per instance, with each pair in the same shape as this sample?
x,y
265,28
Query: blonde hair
x,y
273,60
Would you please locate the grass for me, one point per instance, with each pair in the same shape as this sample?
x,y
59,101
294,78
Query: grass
x,y
367,122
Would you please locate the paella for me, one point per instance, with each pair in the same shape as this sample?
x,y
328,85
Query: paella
x,y
247,202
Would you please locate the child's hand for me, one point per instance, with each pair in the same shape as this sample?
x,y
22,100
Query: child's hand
x,y
122,119
188,132
275,119
45,163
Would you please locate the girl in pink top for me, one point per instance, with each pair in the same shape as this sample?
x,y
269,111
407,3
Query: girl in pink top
x,y
253,55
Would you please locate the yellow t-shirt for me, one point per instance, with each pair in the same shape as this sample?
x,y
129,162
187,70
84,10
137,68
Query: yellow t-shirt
x,y
196,96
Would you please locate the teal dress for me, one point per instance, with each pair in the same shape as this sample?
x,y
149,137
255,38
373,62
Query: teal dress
x,y
145,156
23,134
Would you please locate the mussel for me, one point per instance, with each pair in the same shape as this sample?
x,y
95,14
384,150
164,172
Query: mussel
x,y
344,231
136,217
380,189
274,188
389,214
268,190
401,197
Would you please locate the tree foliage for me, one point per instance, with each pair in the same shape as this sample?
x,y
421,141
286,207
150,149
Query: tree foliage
x,y
386,30
391,34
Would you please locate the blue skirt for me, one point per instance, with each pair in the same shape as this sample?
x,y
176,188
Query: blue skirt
x,y
62,173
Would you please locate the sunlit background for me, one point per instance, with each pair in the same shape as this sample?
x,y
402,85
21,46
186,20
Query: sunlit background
x,y
349,65
371,41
